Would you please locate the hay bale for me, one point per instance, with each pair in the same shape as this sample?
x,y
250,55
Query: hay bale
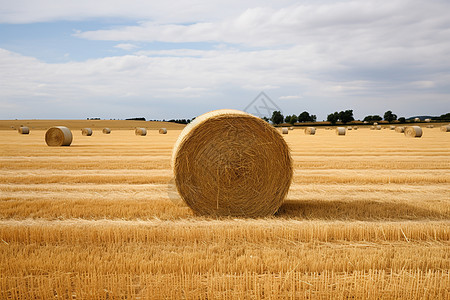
x,y
416,119
445,128
375,124
413,131
400,129
86,131
58,136
340,130
284,130
428,120
378,127
430,126
230,163
355,127
291,128
392,127
310,130
106,131
141,131
372,127
162,131
23,130
349,128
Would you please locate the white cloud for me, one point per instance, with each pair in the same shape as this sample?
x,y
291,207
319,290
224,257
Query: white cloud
x,y
290,97
127,47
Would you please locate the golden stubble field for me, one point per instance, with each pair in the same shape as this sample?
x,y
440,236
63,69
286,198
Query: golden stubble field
x,y
367,216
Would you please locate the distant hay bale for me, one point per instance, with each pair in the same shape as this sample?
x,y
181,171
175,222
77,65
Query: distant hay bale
x,y
445,128
230,163
413,131
86,131
340,130
428,120
58,136
106,130
430,126
400,129
291,128
349,128
284,130
378,127
162,131
310,130
372,127
355,127
375,124
416,119
141,131
327,128
23,130
392,127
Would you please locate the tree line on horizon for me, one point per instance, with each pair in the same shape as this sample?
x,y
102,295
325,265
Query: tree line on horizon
x,y
342,116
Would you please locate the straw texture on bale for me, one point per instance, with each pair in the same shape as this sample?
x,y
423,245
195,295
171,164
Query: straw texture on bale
x,y
340,130
310,130
445,128
400,129
141,131
162,131
86,131
230,163
23,130
106,130
413,131
58,136
284,130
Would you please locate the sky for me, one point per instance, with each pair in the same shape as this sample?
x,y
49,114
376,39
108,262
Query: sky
x,y
116,59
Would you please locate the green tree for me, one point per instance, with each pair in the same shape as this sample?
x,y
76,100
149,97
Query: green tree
x,y
402,119
287,119
389,116
346,116
304,117
277,117
333,118
293,119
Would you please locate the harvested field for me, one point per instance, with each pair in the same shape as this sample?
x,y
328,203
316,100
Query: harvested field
x,y
367,216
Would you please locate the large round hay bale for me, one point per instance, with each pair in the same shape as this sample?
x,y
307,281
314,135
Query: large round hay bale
x,y
86,131
445,128
23,130
106,130
162,131
58,136
141,131
284,130
340,130
400,129
413,131
310,130
230,163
